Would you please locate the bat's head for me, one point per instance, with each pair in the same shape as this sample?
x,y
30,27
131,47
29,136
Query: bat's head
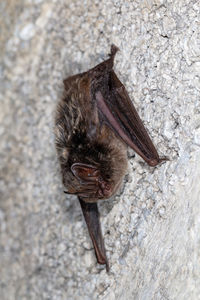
x,y
95,173
92,184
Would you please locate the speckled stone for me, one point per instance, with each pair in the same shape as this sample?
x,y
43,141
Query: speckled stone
x,y
151,227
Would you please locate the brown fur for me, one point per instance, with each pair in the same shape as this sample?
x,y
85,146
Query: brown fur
x,y
82,137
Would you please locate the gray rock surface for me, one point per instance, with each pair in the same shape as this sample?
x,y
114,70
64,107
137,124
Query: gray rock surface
x,y
152,227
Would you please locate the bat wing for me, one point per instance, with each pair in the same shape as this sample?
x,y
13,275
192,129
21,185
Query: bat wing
x,y
120,114
91,215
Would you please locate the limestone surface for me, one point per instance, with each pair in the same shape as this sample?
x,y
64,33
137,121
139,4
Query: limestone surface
x,y
152,226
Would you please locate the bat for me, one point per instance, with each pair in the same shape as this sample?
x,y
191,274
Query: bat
x,y
95,122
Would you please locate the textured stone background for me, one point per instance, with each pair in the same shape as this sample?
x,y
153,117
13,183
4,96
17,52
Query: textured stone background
x,y
152,227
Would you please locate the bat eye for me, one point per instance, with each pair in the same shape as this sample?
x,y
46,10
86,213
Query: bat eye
x,y
105,187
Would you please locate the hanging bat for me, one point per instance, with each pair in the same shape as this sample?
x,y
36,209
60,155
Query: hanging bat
x,y
95,122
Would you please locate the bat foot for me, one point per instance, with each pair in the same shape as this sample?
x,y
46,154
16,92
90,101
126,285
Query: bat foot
x,y
113,51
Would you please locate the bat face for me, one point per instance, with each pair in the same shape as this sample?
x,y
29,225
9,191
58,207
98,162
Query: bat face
x,y
95,122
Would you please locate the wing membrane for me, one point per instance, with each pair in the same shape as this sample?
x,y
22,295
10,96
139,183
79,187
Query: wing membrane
x,y
122,117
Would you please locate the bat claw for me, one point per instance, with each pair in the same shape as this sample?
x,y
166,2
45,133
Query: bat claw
x,y
164,158
113,50
107,267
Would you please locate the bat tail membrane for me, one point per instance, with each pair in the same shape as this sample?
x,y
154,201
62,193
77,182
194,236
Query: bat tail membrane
x,y
120,114
91,215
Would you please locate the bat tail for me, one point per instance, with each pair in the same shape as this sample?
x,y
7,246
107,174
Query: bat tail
x,y
91,215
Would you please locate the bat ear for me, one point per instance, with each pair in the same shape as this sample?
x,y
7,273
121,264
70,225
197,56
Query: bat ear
x,y
85,172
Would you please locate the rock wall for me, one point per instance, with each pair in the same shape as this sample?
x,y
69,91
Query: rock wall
x,y
152,225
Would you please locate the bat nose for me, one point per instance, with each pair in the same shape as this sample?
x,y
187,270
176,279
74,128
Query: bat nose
x,y
105,188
